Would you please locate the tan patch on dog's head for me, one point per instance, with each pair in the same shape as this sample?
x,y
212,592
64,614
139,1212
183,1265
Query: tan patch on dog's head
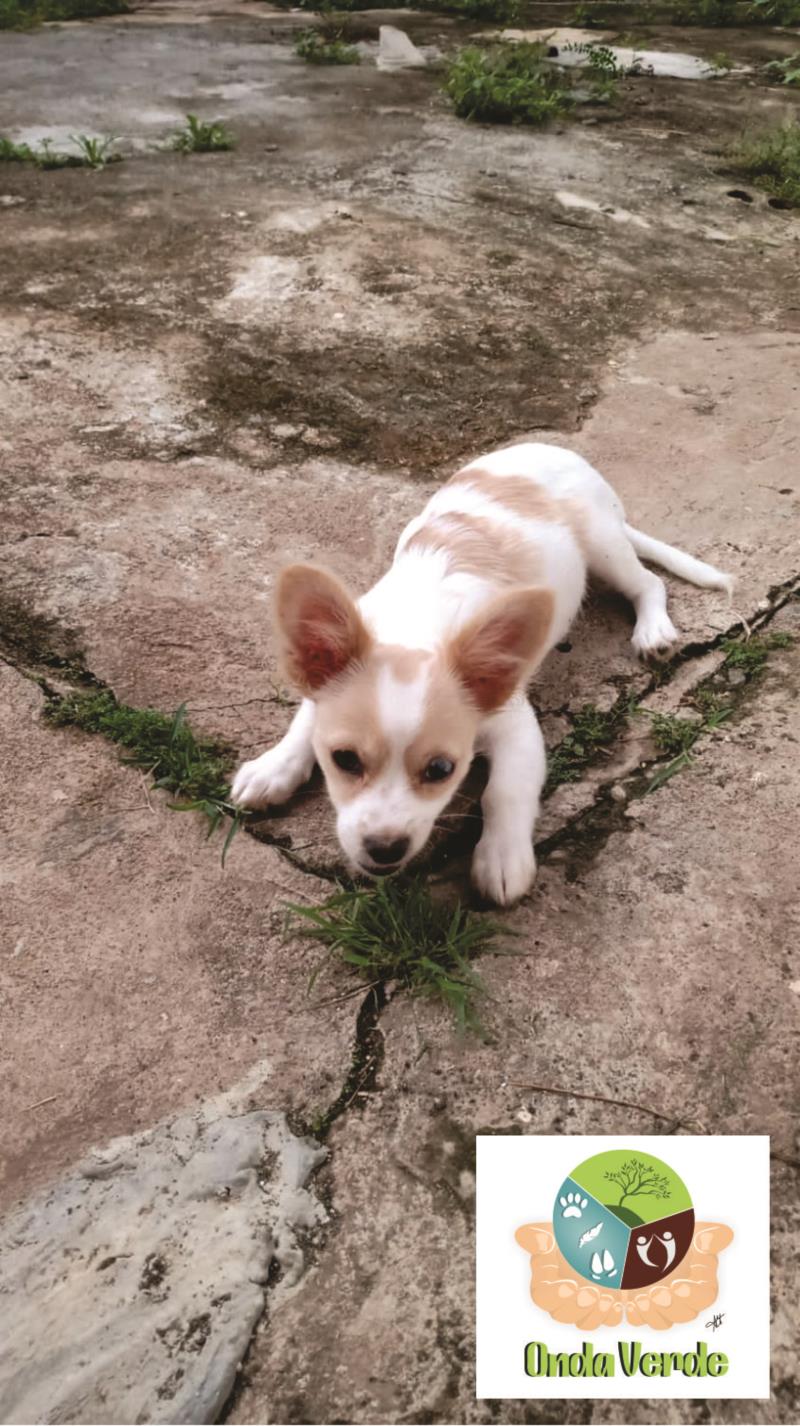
x,y
349,717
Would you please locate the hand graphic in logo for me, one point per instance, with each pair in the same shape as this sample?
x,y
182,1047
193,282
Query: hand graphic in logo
x,y
562,1292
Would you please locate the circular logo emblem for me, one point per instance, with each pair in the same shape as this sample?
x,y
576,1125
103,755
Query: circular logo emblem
x,y
623,1219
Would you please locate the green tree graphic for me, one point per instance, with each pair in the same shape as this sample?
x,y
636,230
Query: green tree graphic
x,y
638,1180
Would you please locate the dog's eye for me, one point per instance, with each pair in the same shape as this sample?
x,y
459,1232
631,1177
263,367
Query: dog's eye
x,y
438,770
347,760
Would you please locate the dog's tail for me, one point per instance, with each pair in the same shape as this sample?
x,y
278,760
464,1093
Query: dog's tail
x,y
677,562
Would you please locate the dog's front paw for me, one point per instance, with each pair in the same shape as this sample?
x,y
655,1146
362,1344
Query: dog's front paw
x,y
654,634
271,779
503,866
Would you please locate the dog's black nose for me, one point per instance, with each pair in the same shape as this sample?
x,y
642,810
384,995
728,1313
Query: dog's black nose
x,y
386,853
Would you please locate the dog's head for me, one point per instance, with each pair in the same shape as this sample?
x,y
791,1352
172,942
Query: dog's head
x,y
395,728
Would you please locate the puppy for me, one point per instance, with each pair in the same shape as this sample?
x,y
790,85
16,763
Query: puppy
x,y
403,687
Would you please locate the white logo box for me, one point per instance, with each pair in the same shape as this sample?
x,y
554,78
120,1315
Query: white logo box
x,y
723,1352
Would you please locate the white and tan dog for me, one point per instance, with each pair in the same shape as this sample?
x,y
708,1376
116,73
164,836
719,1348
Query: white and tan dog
x,y
404,686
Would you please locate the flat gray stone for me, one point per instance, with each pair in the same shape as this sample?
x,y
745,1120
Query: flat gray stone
x,y
131,1287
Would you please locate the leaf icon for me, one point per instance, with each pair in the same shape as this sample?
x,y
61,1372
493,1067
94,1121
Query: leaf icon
x,y
590,1233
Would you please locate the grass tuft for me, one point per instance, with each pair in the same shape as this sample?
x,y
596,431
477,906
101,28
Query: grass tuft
x,y
180,762
772,161
198,136
314,48
96,153
92,153
396,931
507,84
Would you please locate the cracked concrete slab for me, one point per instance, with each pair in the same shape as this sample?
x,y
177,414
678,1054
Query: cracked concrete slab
x,y
131,1287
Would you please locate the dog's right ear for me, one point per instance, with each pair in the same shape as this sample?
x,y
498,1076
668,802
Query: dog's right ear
x,y
320,627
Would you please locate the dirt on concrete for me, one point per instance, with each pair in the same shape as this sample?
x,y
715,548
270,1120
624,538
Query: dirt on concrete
x,y
212,363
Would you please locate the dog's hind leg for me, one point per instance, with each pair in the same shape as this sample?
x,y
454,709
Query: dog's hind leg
x,y
272,778
611,557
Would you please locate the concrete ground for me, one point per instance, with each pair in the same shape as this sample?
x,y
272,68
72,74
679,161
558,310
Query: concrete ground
x,y
210,364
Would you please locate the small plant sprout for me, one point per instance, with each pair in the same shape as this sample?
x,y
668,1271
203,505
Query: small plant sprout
x,y
15,153
721,62
396,931
197,136
96,153
314,48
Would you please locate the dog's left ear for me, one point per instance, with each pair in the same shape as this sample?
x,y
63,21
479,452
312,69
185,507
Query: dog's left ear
x,y
496,652
321,629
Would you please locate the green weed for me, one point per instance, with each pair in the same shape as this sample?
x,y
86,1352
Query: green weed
x,y
591,732
774,12
501,12
23,14
396,931
314,48
189,767
602,66
675,737
784,71
15,153
93,153
706,13
508,84
96,153
721,62
772,160
197,136
751,654
600,16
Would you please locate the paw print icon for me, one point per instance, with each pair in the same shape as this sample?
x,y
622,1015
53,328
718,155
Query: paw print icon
x,y
572,1205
